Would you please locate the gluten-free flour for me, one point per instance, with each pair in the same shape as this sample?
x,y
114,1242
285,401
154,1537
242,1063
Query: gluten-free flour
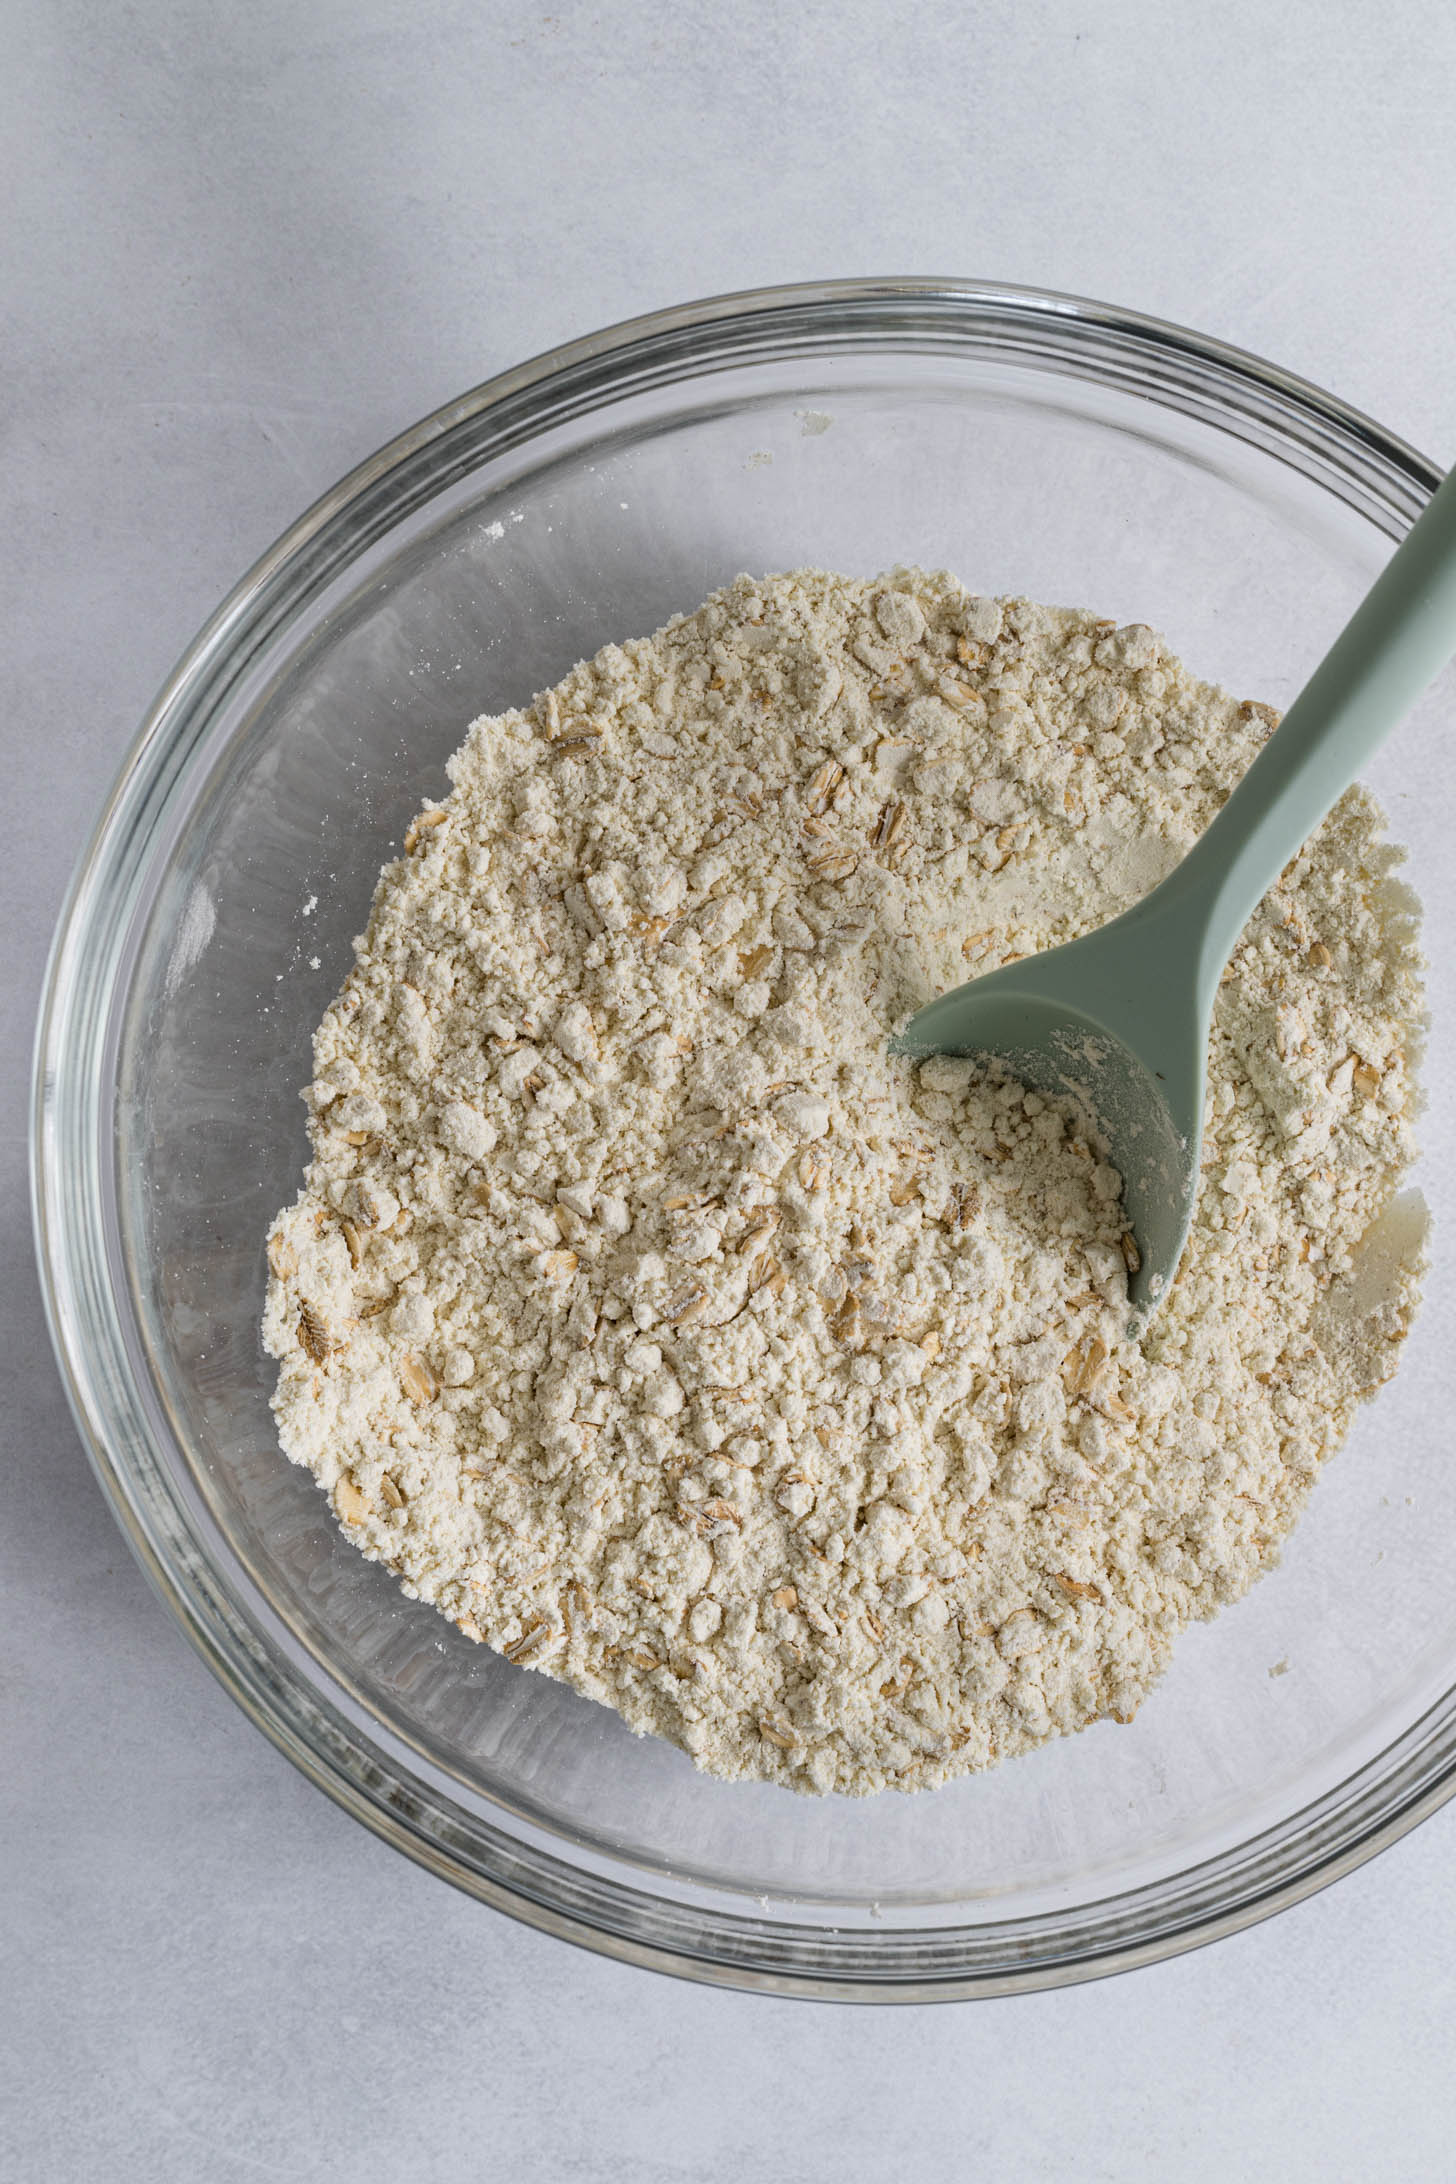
x,y
642,1313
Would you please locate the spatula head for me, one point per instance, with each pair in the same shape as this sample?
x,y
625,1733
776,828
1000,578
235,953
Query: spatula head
x,y
1073,1022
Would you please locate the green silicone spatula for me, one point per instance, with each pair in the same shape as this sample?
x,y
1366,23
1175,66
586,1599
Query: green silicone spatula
x,y
1121,1017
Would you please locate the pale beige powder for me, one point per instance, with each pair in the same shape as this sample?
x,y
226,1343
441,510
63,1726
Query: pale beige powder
x,y
644,1315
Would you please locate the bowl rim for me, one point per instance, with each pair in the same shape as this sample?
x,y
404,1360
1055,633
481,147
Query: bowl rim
x,y
1373,470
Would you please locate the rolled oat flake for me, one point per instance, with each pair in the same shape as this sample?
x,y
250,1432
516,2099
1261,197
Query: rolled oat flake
x,y
644,1315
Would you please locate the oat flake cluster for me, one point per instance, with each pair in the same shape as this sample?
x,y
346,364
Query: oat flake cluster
x,y
644,1315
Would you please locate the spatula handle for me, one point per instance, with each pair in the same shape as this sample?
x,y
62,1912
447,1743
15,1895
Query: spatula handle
x,y
1399,637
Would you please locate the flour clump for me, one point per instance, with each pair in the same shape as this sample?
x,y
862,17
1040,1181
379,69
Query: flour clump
x,y
643,1314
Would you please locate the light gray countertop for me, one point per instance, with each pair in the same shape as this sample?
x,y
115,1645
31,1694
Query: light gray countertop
x,y
243,247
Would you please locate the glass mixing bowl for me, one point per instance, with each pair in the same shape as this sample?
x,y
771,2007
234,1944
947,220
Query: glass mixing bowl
x,y
1032,443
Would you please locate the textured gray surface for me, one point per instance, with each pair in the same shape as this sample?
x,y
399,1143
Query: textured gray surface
x,y
243,247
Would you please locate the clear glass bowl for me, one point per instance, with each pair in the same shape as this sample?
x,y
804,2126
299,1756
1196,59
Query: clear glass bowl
x,y
1031,443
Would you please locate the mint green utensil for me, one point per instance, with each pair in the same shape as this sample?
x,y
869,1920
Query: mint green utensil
x,y
1121,1017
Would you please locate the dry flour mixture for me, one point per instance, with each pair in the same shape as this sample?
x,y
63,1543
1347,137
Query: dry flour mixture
x,y
644,1315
